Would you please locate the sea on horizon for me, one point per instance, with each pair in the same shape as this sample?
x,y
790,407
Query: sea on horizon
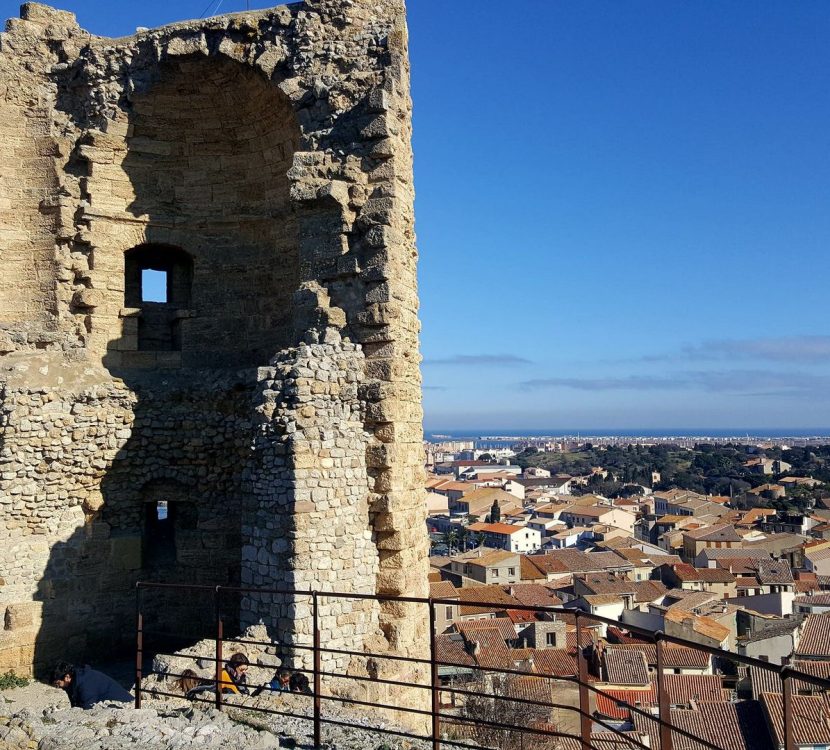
x,y
680,432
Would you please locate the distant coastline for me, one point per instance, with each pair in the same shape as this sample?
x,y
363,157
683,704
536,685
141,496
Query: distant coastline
x,y
684,433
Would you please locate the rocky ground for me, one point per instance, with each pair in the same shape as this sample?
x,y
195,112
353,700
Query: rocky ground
x,y
39,716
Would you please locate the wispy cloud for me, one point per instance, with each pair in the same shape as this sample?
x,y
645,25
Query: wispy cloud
x,y
738,382
435,388
479,360
627,383
804,350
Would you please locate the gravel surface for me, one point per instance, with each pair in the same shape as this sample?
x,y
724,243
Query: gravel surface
x,y
38,716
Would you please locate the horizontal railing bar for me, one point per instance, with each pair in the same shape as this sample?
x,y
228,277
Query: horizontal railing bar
x,y
748,660
786,673
517,672
636,709
159,585
791,673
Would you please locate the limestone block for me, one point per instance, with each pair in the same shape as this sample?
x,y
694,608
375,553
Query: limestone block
x,y
22,616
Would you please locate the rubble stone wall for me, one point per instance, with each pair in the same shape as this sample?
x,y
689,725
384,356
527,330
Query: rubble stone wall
x,y
271,151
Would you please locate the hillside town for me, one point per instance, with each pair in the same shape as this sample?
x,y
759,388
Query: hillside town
x,y
719,571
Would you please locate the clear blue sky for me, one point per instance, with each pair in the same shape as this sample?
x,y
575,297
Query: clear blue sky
x,y
623,209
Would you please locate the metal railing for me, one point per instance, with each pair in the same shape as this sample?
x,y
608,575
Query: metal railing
x,y
441,721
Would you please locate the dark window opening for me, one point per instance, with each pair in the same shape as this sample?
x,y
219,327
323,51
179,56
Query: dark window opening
x,y
157,280
159,533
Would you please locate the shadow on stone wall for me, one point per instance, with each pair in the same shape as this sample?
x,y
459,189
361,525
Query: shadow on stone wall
x,y
170,510
204,171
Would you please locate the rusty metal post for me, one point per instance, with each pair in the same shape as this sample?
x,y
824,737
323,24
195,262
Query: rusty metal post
x,y
317,669
663,705
434,680
219,637
787,707
584,701
139,644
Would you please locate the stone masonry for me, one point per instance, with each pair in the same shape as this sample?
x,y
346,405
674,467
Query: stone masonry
x,y
260,422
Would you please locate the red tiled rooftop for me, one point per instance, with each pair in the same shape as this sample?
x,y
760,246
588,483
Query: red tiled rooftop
x,y
815,637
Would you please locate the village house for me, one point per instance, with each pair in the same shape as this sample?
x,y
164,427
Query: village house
x,y
579,515
445,614
508,537
685,576
480,501
767,466
721,536
487,566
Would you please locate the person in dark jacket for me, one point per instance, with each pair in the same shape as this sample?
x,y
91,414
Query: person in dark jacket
x,y
86,686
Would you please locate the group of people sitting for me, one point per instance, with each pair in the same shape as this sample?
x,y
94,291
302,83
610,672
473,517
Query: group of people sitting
x,y
86,686
234,679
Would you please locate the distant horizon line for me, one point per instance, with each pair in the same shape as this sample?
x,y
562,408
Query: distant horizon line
x,y
778,432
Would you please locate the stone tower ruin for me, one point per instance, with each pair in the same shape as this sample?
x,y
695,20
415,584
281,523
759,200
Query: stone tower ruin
x,y
257,420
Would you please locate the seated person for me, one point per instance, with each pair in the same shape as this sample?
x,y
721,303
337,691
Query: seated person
x,y
86,686
233,679
281,681
192,685
299,683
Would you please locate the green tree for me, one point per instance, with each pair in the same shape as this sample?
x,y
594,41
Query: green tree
x,y
450,539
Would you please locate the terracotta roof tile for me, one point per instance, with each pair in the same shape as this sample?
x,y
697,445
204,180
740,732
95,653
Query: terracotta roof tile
x,y
442,590
451,651
534,595
673,656
614,703
683,688
529,571
774,572
815,637
625,667
496,528
554,661
492,595
530,689
489,648
809,716
716,533
730,726
504,625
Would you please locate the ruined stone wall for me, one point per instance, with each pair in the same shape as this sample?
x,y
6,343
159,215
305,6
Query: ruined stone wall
x,y
80,461
271,150
319,517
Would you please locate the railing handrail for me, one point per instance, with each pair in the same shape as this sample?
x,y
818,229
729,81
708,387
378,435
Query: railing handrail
x,y
654,635
786,673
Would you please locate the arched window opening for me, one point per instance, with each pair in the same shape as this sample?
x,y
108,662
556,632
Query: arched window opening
x,y
169,520
157,282
159,534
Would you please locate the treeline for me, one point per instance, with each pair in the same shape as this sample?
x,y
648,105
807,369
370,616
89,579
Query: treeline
x,y
707,468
